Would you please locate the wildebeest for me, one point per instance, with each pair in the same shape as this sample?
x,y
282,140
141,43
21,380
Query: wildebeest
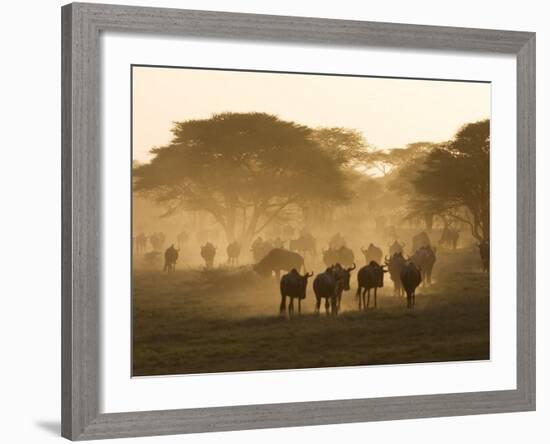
x,y
346,256
208,252
420,240
372,253
395,264
396,247
325,286
305,244
336,242
293,285
342,276
369,277
260,248
157,241
484,252
170,258
277,260
424,259
233,253
410,279
141,243
449,238
342,255
330,257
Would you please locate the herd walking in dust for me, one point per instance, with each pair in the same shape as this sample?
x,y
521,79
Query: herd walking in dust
x,y
271,259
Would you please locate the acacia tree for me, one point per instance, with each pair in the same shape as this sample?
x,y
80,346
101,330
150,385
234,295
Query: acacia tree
x,y
454,180
245,169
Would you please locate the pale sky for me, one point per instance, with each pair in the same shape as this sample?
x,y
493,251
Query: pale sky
x,y
389,112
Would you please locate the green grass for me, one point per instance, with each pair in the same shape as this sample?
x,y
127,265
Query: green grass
x,y
224,320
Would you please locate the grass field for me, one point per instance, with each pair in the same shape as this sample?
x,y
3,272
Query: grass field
x,y
197,321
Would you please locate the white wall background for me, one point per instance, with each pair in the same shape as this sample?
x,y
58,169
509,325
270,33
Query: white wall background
x,y
30,220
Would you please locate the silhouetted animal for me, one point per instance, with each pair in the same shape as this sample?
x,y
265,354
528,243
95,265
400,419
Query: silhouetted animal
x,y
208,252
277,260
305,244
157,241
420,240
484,252
342,276
233,252
330,257
141,243
336,242
346,256
373,253
395,264
260,248
424,259
396,247
449,238
170,258
294,286
369,277
410,279
325,286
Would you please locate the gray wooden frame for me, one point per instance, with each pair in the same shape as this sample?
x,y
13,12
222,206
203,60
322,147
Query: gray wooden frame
x,y
81,26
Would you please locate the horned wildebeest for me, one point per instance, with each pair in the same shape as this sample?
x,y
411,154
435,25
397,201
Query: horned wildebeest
x,y
484,252
369,277
233,253
325,286
373,253
449,237
342,282
277,260
170,258
395,264
424,259
346,256
410,279
419,241
208,252
396,247
293,285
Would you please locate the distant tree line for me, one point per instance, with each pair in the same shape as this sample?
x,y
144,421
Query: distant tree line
x,y
250,170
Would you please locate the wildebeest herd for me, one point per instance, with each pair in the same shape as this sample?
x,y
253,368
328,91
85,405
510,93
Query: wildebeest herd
x,y
271,258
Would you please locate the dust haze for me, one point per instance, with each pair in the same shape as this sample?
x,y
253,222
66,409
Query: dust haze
x,y
263,242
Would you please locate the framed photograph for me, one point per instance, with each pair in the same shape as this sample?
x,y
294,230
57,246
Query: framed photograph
x,y
278,221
